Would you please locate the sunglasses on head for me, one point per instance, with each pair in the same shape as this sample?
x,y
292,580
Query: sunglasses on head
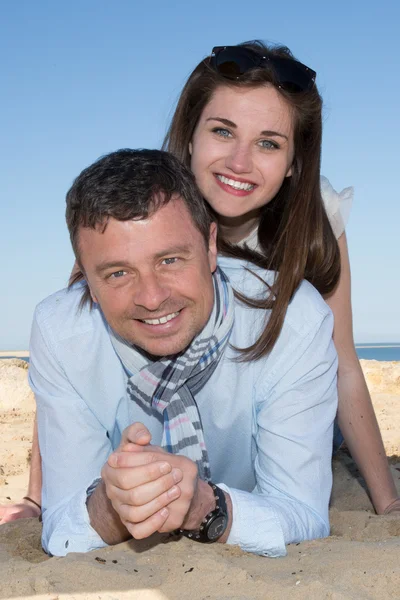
x,y
234,61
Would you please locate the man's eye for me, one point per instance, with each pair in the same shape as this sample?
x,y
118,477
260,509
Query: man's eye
x,y
170,261
117,274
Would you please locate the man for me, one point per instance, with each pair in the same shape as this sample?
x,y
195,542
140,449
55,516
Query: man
x,y
142,402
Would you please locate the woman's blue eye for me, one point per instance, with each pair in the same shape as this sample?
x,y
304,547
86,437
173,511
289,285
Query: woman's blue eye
x,y
269,145
118,274
222,132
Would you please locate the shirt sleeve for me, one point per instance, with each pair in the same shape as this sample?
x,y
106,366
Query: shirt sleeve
x,y
294,451
64,421
337,205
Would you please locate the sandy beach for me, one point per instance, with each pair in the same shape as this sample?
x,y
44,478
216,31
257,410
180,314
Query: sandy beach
x,y
360,560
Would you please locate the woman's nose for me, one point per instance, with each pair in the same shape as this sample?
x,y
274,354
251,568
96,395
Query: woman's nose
x,y
239,160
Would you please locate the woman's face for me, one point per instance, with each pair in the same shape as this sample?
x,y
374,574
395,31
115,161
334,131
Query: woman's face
x,y
242,150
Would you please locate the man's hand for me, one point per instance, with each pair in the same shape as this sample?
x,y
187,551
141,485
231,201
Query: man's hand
x,y
152,490
21,510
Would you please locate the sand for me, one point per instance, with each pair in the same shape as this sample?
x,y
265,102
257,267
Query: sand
x,y
360,560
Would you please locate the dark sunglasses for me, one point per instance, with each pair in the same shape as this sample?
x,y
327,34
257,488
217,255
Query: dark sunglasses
x,y
233,61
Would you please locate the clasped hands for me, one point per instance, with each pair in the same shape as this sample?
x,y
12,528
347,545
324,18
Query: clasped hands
x,y
152,490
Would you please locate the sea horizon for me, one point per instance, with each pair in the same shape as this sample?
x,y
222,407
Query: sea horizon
x,y
381,351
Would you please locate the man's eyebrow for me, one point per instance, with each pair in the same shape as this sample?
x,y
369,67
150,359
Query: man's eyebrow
x,y
266,132
111,264
179,249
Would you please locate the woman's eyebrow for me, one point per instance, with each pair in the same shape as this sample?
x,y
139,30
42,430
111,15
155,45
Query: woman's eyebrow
x,y
272,133
267,132
224,121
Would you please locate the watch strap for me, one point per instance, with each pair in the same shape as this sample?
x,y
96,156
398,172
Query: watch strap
x,y
220,510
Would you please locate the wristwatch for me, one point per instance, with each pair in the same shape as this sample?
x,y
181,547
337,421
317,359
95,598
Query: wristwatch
x,y
214,523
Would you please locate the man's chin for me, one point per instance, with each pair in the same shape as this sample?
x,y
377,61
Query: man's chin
x,y
161,344
156,349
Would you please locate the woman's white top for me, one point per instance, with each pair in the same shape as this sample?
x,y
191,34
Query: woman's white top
x,y
337,206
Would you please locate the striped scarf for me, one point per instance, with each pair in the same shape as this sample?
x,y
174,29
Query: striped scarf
x,y
169,385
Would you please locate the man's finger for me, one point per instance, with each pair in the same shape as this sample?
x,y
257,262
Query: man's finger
x,y
141,471
127,459
147,491
137,433
129,447
138,514
143,530
136,476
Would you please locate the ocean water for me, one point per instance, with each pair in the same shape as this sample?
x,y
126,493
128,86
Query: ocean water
x,y
379,351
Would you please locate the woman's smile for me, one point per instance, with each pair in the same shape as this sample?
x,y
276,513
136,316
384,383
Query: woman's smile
x,y
235,186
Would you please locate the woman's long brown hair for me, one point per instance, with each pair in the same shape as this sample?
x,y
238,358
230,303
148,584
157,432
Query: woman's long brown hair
x,y
295,236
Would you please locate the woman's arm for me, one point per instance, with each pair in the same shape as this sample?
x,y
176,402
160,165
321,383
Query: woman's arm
x,y
35,475
356,415
26,507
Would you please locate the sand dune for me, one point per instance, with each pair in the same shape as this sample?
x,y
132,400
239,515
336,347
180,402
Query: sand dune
x,y
360,560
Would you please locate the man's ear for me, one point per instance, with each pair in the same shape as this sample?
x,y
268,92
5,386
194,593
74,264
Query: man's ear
x,y
212,247
93,297
78,269
91,292
190,148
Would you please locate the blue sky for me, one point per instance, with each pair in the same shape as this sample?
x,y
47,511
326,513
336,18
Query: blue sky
x,y
80,79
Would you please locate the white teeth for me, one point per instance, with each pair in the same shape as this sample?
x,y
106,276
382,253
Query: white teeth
x,y
162,320
237,185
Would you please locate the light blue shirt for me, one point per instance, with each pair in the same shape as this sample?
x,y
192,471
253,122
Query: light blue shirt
x,y
267,424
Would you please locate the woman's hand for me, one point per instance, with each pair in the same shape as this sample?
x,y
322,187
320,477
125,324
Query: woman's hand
x,y
393,508
22,510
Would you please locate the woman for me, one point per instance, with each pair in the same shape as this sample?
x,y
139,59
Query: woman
x,y
248,123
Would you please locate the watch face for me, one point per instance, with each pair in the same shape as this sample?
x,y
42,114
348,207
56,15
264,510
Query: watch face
x,y
217,527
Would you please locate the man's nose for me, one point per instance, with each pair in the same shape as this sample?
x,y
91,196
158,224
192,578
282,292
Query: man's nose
x,y
151,291
240,159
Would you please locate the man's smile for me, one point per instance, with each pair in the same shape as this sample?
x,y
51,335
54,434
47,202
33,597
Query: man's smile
x,y
160,320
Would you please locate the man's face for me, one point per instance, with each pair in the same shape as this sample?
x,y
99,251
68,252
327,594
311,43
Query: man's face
x,y
152,278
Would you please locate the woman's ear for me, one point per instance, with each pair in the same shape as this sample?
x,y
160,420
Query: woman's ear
x,y
190,148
